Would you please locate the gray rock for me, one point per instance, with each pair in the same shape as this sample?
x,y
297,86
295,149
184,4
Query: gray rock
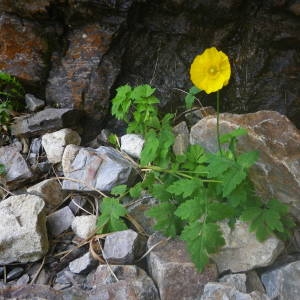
x,y
122,247
101,168
277,172
137,210
237,281
243,252
60,221
84,226
254,283
24,279
133,283
283,283
54,143
182,139
50,190
132,144
49,119
76,203
23,234
83,264
33,103
215,290
17,170
173,272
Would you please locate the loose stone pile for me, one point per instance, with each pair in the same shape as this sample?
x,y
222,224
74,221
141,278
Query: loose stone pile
x,y
48,222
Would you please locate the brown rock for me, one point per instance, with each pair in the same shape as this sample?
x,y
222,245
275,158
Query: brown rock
x,y
174,273
23,49
277,172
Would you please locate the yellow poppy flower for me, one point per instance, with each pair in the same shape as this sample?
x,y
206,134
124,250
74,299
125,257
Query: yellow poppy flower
x,y
210,71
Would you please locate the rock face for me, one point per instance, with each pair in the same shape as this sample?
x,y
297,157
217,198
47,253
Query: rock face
x,y
101,168
283,282
170,267
54,143
24,51
17,170
242,251
277,172
23,234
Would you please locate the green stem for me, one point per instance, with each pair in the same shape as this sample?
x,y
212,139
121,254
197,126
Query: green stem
x,y
173,172
218,122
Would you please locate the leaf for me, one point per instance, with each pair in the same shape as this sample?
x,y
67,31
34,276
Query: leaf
x,y
217,165
121,102
189,101
166,220
247,159
265,220
2,169
111,212
142,91
119,190
217,211
202,239
226,138
136,190
151,145
190,98
232,179
159,191
191,210
184,187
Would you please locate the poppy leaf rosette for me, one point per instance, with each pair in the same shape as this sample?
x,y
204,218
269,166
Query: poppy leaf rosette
x,y
210,71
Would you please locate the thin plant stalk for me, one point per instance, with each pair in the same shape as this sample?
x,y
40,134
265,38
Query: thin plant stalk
x,y
218,122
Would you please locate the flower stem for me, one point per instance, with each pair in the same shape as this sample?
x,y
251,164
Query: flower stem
x,y
218,122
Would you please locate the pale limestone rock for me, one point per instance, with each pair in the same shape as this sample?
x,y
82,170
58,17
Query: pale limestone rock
x,y
84,226
54,143
23,233
243,252
132,144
